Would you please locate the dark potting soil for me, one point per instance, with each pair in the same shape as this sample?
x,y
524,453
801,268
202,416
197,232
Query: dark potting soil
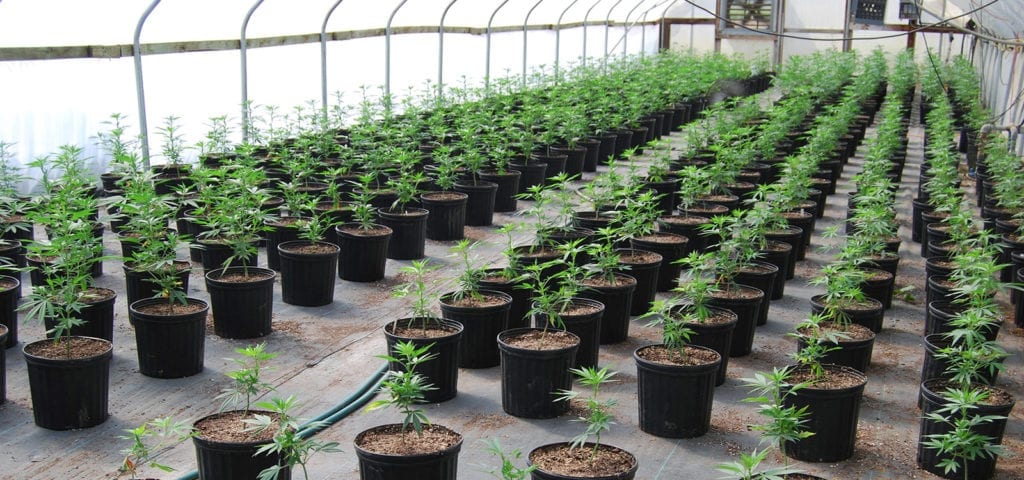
x,y
391,440
311,249
602,281
78,347
852,332
364,232
833,379
716,198
539,252
996,396
729,292
253,276
579,310
230,427
666,356
717,317
96,295
169,309
415,329
494,278
7,284
684,219
538,340
476,301
286,221
638,257
444,196
576,462
754,268
858,306
662,238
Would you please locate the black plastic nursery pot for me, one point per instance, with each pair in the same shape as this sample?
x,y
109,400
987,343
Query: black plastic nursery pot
x,y
583,454
10,287
674,401
981,467
529,377
362,254
555,165
482,319
242,301
852,353
447,219
138,283
219,460
574,158
517,313
870,314
307,278
832,416
443,371
214,254
409,232
531,173
644,267
792,236
936,367
606,149
880,285
508,187
940,315
778,254
3,364
762,276
69,393
590,160
716,335
585,325
688,226
281,230
671,247
617,299
170,345
97,315
480,202
440,465
745,302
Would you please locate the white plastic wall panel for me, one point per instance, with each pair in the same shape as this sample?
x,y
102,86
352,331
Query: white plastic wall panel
x,y
815,14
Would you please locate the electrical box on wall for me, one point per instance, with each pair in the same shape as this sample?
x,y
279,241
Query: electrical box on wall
x,y
871,12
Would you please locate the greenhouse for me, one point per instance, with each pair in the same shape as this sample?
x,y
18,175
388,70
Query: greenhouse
x,y
512,239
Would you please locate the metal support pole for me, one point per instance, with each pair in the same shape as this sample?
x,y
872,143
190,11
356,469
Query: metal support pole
x,y
323,57
607,29
245,71
662,33
387,57
643,31
490,31
558,36
525,36
586,16
625,33
440,51
140,93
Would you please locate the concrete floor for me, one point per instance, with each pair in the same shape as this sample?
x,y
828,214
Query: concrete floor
x,y
326,352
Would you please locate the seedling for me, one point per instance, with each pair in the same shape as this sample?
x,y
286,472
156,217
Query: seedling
x,y
148,440
247,381
508,469
599,417
469,279
784,424
404,387
746,468
422,298
294,445
962,443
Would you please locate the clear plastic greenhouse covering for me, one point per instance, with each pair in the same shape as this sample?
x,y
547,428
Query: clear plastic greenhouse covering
x,y
55,101
67,65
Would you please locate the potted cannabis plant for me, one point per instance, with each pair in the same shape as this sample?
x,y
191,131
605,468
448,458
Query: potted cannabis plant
x,y
416,446
363,244
482,313
309,265
423,327
580,458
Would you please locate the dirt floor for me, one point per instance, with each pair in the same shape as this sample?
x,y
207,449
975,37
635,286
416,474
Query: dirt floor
x,y
327,352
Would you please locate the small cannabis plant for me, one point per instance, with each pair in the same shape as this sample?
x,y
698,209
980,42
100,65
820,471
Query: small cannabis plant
x,y
404,387
599,417
247,379
148,440
292,441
